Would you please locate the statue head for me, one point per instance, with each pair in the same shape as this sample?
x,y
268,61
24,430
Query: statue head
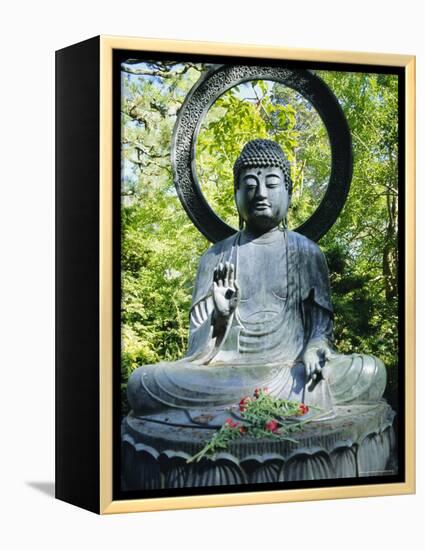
x,y
263,184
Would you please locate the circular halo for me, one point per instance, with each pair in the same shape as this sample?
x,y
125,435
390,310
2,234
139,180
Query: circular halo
x,y
206,91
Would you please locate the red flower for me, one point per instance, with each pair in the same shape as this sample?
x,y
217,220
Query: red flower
x,y
243,403
303,409
272,426
243,429
231,423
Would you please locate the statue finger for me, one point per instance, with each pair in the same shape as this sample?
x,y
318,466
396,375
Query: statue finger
x,y
215,291
307,370
226,274
328,353
237,289
220,274
231,275
215,275
310,358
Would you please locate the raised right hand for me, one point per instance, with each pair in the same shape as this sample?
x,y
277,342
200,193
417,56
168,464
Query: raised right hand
x,y
225,290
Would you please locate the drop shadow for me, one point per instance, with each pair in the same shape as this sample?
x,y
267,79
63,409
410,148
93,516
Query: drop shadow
x,y
46,487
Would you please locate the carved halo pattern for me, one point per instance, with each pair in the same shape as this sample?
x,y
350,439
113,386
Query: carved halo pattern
x,y
214,83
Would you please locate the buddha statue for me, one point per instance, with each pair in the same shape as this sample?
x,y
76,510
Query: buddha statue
x,y
261,316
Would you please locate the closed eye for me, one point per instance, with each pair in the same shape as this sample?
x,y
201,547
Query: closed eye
x,y
273,180
251,182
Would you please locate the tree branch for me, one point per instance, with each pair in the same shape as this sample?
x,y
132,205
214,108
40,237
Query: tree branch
x,y
160,73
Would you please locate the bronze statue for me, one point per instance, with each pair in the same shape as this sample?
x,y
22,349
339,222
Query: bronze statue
x,y
261,314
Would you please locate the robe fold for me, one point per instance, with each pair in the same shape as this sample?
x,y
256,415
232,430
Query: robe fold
x,y
284,306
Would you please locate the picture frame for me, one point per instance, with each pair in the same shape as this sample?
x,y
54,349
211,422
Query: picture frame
x,y
88,291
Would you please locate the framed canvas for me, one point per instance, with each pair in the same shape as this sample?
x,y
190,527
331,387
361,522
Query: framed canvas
x,y
235,274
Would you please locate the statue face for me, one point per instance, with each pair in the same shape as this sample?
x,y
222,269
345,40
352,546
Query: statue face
x,y
262,198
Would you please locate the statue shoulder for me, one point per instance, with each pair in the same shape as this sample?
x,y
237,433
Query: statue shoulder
x,y
305,245
218,250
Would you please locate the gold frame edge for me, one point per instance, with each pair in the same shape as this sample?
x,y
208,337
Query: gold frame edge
x,y
106,504
105,277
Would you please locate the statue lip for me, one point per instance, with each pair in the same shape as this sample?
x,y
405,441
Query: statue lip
x,y
261,205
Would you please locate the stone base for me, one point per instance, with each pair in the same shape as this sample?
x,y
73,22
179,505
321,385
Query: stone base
x,y
359,442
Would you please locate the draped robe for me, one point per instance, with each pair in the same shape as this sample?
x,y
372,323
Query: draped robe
x,y
284,306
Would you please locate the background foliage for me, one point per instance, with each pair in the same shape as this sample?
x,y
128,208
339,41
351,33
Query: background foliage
x,y
161,247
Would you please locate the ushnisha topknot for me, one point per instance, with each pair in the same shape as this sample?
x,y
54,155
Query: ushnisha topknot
x,y
262,153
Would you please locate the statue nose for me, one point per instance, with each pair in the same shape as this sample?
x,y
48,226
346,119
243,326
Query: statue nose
x,y
261,189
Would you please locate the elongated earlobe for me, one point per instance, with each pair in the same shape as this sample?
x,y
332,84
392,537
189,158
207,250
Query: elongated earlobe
x,y
241,223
